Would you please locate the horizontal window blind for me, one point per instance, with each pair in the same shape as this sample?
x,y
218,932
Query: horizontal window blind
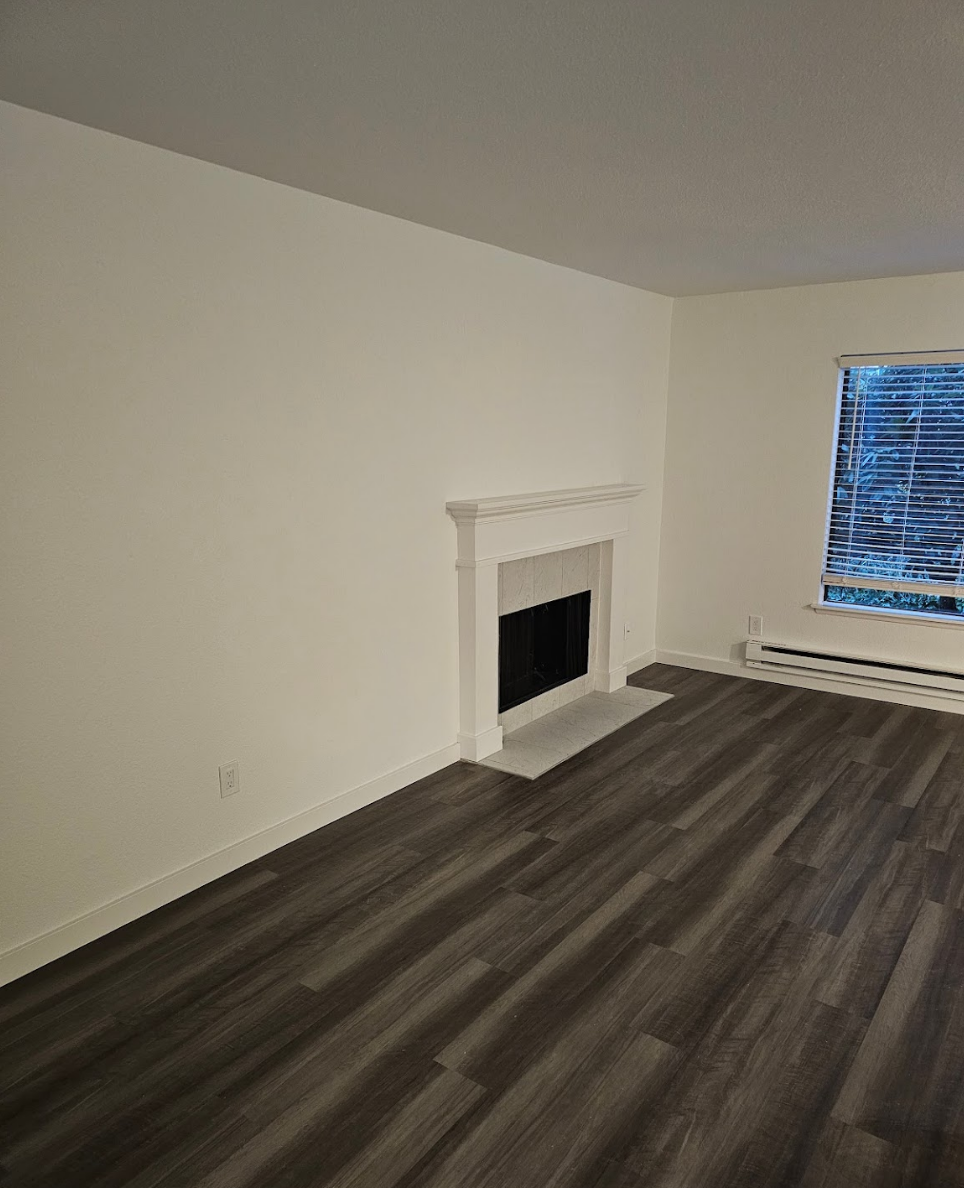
x,y
896,519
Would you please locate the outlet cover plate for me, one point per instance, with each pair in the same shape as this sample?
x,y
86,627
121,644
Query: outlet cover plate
x,y
230,777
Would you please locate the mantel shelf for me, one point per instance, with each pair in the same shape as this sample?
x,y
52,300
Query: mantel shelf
x,y
504,507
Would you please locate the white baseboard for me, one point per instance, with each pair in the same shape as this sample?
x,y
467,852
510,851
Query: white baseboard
x,y
16,962
702,663
474,747
609,680
850,688
642,661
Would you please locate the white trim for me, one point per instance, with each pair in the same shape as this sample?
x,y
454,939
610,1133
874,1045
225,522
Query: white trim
x,y
643,661
800,681
503,507
32,954
480,746
903,359
500,558
887,614
934,589
832,477
703,663
609,682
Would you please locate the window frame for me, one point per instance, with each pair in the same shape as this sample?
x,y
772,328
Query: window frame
x,y
822,603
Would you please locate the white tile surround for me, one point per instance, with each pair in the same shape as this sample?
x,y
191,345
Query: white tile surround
x,y
574,527
530,581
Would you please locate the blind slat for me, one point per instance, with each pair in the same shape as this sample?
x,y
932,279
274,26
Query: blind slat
x,y
936,589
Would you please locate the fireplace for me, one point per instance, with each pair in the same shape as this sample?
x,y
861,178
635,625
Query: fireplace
x,y
542,647
494,534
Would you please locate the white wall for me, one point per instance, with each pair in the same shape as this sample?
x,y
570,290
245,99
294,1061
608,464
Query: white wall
x,y
232,413
753,389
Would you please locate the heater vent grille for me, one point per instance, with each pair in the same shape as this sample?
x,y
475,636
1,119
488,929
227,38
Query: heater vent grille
x,y
856,669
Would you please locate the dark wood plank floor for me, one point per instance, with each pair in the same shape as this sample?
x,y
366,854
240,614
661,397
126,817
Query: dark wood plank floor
x,y
724,946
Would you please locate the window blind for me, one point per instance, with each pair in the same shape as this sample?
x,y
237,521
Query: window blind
x,y
896,516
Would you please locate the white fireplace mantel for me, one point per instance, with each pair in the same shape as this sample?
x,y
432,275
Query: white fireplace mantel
x,y
501,507
505,528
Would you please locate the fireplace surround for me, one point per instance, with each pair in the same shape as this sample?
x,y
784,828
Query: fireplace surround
x,y
498,530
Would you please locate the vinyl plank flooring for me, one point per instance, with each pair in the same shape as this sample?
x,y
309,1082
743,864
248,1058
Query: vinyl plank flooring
x,y
594,857
399,1143
710,783
897,734
937,822
556,1116
908,779
828,827
794,787
866,718
80,975
843,1155
337,1121
845,878
501,1040
908,1078
871,943
722,884
722,947
421,916
742,1116
709,990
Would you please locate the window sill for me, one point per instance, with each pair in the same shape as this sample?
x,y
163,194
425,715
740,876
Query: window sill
x,y
875,612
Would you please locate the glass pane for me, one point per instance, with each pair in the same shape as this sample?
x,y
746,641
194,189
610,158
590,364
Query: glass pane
x,y
897,508
929,604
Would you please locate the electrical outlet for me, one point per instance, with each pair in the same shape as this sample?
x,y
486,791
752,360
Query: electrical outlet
x,y
230,776
756,626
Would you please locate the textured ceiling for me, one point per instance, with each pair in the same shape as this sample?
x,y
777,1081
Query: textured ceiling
x,y
686,146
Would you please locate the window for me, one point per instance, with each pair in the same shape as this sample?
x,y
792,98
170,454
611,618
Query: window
x,y
895,538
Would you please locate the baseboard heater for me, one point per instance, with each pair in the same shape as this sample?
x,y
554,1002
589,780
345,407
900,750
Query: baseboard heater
x,y
853,669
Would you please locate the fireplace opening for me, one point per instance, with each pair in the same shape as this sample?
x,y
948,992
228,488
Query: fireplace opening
x,y
542,647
